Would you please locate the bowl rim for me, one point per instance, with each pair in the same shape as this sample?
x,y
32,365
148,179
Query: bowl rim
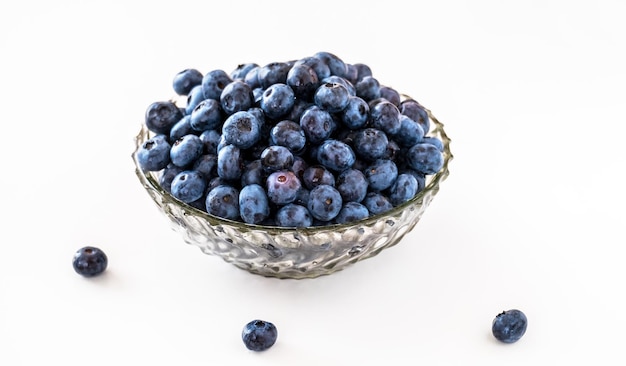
x,y
149,181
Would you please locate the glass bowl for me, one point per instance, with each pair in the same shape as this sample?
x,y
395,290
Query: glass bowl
x,y
295,253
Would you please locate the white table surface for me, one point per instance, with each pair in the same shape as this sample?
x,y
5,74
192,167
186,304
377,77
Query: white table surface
x,y
532,95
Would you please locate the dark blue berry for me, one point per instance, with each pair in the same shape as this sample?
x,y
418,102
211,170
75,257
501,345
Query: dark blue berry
x,y
433,141
370,144
317,124
252,78
241,129
207,115
332,97
334,79
356,113
186,150
162,116
214,82
253,204
335,64
288,134
403,189
277,100
363,70
282,187
223,201
194,98
391,95
294,215
90,261
275,157
316,175
273,73
320,67
206,165
425,158
230,163
335,155
259,335
303,81
185,80
324,202
377,203
381,174
368,88
182,128
385,116
211,139
509,326
410,132
167,176
350,212
154,154
352,185
240,72
415,111
236,96
253,173
188,185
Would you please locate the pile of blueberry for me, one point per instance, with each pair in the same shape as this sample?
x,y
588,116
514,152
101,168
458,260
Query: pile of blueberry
x,y
312,141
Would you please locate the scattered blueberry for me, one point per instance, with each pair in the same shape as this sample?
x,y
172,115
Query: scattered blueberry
x,y
509,326
90,261
259,335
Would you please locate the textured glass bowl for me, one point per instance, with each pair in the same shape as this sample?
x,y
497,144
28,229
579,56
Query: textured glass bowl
x,y
294,252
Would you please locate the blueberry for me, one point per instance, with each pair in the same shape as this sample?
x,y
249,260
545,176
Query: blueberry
x,y
351,211
277,100
223,201
241,129
236,96
335,64
356,113
188,185
410,132
433,141
363,70
229,163
194,98
185,80
207,115
240,72
299,106
316,175
186,150
210,139
167,176
154,153
370,144
303,80
288,134
391,95
385,116
509,326
253,204
252,78
377,203
214,82
90,261
317,124
206,165
299,166
253,173
275,157
324,202
352,185
415,111
352,73
273,73
368,88
425,158
335,155
293,215
282,187
162,116
320,67
403,189
259,335
381,174
332,97
182,128
334,79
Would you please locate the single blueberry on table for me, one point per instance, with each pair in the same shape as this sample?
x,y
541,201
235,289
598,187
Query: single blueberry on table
x,y
253,204
154,154
223,201
90,261
259,335
214,82
162,116
294,215
509,326
188,185
185,80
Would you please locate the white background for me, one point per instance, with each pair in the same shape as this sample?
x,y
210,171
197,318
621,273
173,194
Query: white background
x,y
531,93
